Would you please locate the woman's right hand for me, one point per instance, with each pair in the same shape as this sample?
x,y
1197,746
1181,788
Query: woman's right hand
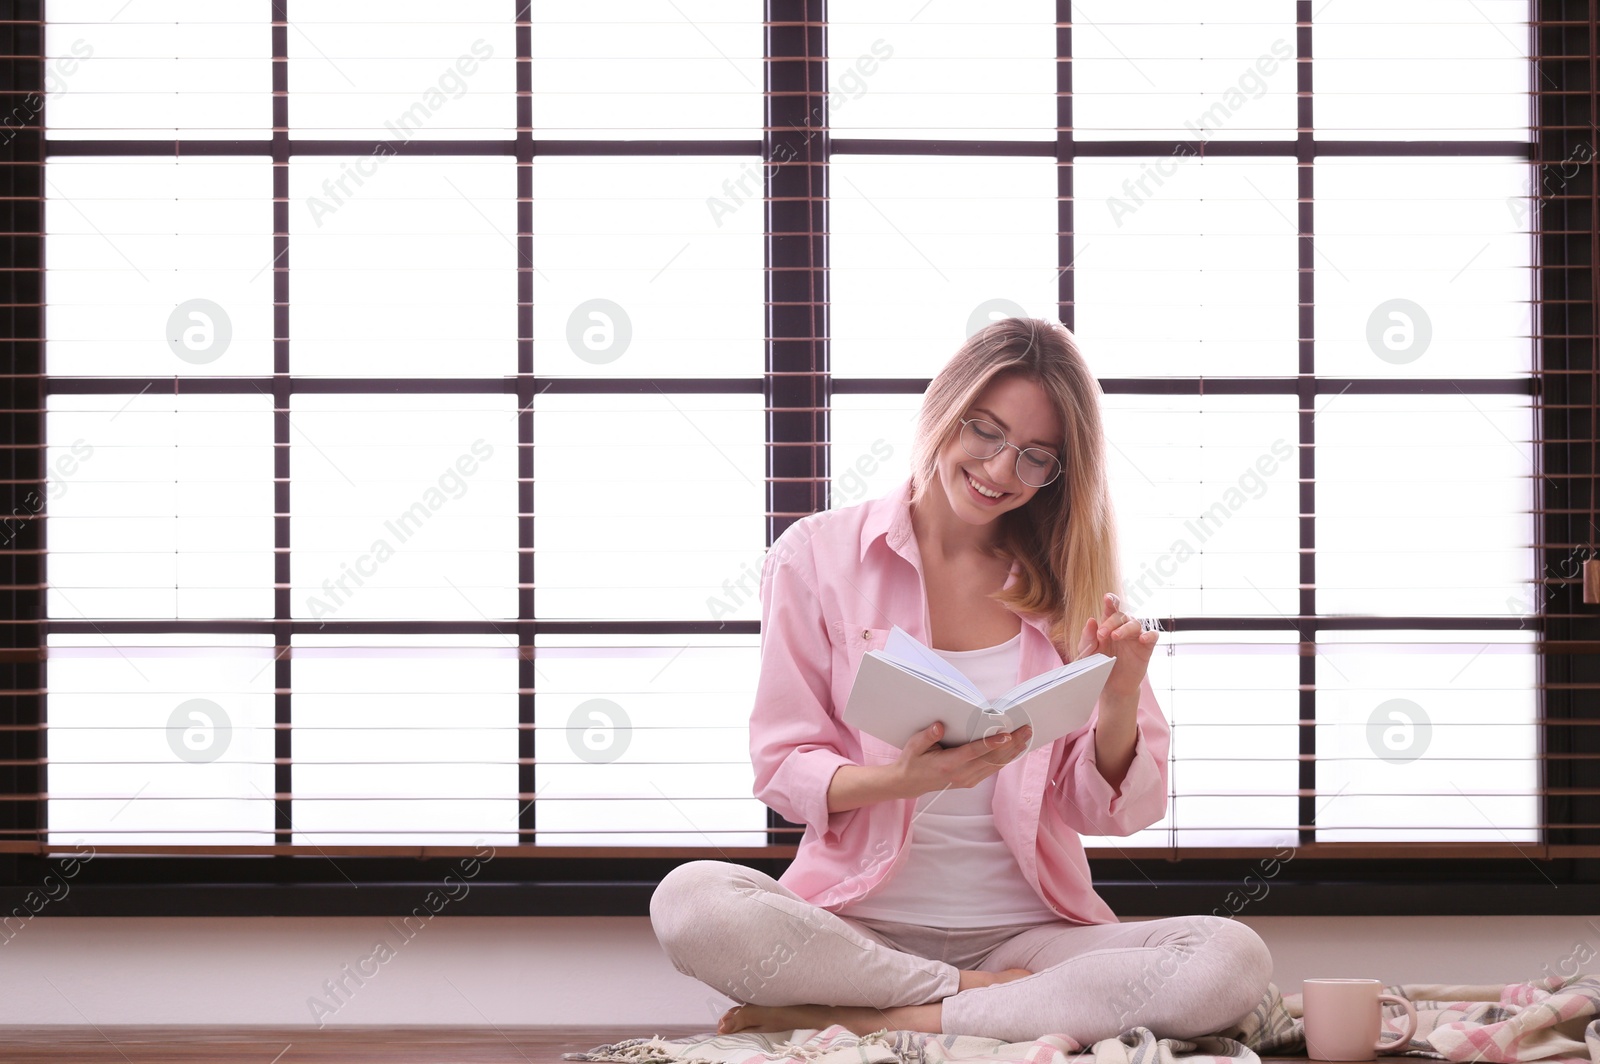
x,y
925,766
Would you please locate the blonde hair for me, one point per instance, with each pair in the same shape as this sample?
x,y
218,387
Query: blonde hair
x,y
1065,536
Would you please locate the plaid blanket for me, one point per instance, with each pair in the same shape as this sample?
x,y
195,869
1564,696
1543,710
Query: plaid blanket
x,y
1555,1019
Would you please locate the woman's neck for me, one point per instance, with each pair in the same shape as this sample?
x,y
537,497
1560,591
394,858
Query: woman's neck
x,y
947,538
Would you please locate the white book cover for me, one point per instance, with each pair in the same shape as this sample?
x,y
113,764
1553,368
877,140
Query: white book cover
x,y
906,686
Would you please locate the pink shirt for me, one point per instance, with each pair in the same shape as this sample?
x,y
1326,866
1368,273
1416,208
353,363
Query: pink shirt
x,y
831,587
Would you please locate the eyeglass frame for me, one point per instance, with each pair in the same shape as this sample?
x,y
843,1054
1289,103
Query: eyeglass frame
x,y
1005,442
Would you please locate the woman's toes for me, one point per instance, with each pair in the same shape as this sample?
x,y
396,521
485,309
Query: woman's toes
x,y
758,1018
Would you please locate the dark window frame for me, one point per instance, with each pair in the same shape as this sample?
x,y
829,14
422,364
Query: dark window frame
x,y
797,389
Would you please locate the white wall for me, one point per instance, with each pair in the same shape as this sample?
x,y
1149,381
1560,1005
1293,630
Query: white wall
x,y
606,971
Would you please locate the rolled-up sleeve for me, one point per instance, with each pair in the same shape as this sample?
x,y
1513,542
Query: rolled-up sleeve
x,y
1085,800
795,742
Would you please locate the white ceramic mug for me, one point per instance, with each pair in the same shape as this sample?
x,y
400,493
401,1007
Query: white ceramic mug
x,y
1343,1019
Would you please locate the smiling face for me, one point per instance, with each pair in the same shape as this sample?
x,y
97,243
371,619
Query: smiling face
x,y
1024,412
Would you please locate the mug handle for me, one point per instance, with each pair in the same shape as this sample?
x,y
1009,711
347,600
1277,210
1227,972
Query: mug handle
x,y
1411,1024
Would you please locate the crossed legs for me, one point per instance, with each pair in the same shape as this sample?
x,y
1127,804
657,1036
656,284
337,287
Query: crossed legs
x,y
796,965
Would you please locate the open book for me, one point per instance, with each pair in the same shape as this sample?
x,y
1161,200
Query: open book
x,y
906,686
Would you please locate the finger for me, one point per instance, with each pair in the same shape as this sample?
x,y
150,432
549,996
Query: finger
x,y
1013,748
926,739
1112,623
995,742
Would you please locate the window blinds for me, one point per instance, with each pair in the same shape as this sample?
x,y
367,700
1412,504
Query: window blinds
x,y
409,399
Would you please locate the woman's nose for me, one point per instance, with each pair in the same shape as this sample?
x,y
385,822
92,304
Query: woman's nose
x,y
1003,469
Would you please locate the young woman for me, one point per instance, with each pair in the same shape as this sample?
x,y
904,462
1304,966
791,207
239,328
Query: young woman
x,y
945,889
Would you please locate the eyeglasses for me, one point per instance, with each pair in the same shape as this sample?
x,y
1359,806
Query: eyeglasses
x,y
983,439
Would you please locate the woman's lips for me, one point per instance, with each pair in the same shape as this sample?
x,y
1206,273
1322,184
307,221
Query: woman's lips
x,y
976,494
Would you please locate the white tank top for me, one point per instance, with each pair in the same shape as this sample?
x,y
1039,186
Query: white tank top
x,y
959,872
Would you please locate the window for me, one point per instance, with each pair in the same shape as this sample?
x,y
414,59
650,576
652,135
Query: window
x,y
419,392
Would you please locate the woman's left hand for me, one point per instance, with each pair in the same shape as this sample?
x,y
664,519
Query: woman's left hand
x,y
1119,636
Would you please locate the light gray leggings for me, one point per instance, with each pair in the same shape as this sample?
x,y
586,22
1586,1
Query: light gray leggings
x,y
740,931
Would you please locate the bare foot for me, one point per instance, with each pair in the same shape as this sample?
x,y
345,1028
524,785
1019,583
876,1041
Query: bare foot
x,y
976,979
857,1020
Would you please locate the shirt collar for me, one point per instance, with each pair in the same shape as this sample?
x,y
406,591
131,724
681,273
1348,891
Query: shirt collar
x,y
889,515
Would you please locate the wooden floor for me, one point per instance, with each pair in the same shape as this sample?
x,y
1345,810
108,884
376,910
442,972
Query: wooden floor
x,y
308,1045
333,1045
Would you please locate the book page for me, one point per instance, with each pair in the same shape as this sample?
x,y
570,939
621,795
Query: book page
x,y
917,657
1026,688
